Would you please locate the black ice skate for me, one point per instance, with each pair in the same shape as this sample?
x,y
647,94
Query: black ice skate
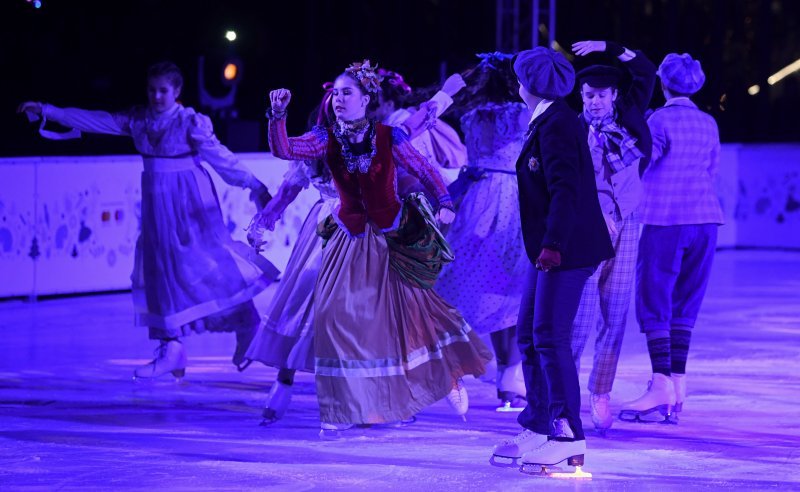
x,y
280,395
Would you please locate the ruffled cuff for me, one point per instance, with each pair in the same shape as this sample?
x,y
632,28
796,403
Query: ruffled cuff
x,y
446,202
261,195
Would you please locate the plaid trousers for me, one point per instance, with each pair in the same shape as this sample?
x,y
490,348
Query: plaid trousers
x,y
604,306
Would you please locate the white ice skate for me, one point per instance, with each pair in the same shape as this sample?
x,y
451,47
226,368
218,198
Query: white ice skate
x,y
679,385
459,400
511,389
509,451
655,405
170,358
332,432
544,459
601,412
280,395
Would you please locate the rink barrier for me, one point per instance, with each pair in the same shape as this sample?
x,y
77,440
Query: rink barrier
x,y
69,224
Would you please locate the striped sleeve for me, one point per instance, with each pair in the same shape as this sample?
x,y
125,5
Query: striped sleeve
x,y
407,157
308,146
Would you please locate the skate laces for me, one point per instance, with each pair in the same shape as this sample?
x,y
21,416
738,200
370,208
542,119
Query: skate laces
x,y
561,428
161,351
522,436
456,394
600,399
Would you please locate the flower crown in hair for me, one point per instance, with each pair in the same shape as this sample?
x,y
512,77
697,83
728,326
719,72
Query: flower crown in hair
x,y
494,60
366,75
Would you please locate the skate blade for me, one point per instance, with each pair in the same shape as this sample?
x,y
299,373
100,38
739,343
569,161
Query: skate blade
x,y
503,461
672,418
578,474
551,471
651,416
394,424
173,381
266,422
331,435
507,408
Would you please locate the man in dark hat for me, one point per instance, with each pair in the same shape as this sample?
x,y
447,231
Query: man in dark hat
x,y
565,239
619,141
680,213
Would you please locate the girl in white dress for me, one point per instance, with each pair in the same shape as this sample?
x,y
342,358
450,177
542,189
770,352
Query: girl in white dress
x,y
189,275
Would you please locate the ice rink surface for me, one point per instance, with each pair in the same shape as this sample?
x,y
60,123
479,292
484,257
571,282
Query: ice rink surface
x,y
71,418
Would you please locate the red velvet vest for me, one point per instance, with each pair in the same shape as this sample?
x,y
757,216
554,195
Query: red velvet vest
x,y
366,197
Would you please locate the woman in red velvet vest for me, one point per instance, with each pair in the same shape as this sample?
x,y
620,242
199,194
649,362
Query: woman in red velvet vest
x,y
386,345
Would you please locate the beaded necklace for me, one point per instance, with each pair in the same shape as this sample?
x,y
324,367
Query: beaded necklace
x,y
344,129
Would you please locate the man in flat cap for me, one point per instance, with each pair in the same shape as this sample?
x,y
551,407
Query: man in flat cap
x,y
565,239
680,213
620,143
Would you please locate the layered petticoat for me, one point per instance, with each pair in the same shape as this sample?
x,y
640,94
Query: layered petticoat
x,y
286,337
386,344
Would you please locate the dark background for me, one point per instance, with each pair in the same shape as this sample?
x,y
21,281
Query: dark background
x,y
93,54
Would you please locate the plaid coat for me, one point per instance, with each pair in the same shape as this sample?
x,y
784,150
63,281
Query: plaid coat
x,y
679,182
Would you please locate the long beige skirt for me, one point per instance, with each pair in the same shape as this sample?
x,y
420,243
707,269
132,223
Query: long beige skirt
x,y
384,349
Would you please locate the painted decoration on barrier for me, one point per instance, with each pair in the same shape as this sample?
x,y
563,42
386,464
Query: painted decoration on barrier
x,y
69,225
768,202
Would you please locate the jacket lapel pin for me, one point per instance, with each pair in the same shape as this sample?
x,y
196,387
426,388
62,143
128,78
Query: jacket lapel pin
x,y
533,164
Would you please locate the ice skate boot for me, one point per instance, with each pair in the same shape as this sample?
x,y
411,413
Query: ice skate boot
x,y
655,405
509,451
458,399
170,358
280,395
511,389
601,412
511,402
679,385
332,432
243,340
544,459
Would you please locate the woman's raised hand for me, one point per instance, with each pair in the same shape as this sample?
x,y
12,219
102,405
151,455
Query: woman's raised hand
x,y
583,48
32,107
453,84
279,99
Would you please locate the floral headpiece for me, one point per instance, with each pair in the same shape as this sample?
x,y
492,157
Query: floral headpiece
x,y
366,75
494,60
395,79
